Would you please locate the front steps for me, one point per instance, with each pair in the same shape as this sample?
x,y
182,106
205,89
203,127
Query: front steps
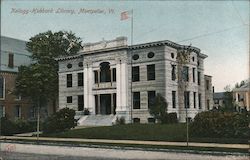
x,y
97,120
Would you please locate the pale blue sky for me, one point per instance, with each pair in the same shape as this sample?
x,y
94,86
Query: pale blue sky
x,y
219,28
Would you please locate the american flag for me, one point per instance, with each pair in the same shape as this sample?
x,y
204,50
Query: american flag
x,y
125,15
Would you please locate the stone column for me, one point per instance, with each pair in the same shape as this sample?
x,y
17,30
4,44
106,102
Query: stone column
x,y
118,86
99,104
86,101
98,77
124,86
91,97
111,76
122,109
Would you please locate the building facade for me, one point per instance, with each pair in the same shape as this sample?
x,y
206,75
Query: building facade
x,y
241,97
112,78
12,55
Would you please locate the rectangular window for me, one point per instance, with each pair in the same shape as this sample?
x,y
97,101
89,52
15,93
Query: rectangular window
x,y
174,99
136,100
186,73
151,98
194,99
207,84
1,87
69,99
193,74
32,113
2,111
18,111
96,105
114,74
80,79
151,72
208,106
199,78
96,76
186,100
11,60
80,102
135,74
199,99
69,80
173,72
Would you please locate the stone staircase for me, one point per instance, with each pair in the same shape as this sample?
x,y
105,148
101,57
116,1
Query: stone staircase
x,y
97,120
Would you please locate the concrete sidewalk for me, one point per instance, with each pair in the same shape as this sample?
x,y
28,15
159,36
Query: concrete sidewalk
x,y
156,143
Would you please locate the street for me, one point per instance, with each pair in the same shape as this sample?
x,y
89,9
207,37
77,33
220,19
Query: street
x,y
15,151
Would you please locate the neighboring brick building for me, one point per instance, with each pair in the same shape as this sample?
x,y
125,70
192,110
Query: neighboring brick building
x,y
12,55
99,79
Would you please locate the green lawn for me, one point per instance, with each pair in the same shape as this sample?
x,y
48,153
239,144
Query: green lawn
x,y
154,132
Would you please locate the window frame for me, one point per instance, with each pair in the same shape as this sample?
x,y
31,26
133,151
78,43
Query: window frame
x,y
185,73
3,87
151,98
80,79
199,77
11,60
80,105
69,81
114,74
194,98
69,99
173,99
136,100
194,75
199,101
18,111
186,99
135,73
173,72
151,72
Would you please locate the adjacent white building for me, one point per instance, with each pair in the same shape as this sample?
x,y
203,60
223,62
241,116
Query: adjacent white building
x,y
99,78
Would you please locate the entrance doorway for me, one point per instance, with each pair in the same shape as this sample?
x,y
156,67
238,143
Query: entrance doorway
x,y
105,104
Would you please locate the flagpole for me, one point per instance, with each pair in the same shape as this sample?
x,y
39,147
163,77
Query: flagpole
x,y
132,32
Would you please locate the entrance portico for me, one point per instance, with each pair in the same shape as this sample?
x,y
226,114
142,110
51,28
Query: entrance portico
x,y
106,87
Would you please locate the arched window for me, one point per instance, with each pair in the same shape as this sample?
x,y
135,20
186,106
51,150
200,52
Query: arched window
x,y
105,74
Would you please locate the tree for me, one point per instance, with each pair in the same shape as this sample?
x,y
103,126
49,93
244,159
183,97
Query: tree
x,y
182,59
60,121
242,83
228,100
35,81
237,85
40,80
159,109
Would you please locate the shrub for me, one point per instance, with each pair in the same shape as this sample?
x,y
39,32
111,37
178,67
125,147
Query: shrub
x,y
60,121
25,126
172,117
9,127
86,111
159,109
120,121
221,124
